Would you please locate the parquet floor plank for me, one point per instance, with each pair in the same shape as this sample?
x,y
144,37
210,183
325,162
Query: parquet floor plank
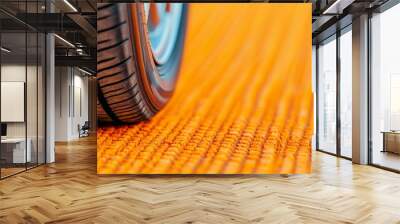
x,y
70,191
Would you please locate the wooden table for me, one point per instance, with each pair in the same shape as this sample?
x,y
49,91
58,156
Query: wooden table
x,y
391,141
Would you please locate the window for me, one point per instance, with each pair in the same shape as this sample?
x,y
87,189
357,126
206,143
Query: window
x,y
385,89
330,68
22,77
346,92
327,96
314,78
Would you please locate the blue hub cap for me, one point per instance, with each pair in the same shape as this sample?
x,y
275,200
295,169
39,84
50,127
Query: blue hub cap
x,y
163,24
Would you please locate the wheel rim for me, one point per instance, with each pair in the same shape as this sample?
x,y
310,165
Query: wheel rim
x,y
163,25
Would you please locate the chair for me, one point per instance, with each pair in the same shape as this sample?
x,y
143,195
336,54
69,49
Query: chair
x,y
84,130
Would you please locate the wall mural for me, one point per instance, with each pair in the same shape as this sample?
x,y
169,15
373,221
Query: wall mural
x,y
204,88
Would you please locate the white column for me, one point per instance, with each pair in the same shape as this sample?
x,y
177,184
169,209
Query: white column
x,y
50,98
360,90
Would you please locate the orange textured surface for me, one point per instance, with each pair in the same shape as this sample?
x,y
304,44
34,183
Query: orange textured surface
x,y
243,102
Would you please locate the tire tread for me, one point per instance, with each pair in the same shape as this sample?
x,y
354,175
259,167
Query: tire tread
x,y
121,98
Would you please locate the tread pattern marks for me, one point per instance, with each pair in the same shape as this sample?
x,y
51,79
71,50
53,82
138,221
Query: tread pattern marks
x,y
117,74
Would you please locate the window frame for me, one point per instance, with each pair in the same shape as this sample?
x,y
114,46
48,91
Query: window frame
x,y
334,37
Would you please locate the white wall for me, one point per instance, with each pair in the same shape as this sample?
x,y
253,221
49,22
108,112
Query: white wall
x,y
13,101
16,72
33,127
81,102
62,81
71,102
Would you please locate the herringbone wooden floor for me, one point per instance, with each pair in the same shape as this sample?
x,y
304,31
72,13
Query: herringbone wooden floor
x,y
70,191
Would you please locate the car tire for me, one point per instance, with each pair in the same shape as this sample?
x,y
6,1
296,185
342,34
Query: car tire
x,y
131,87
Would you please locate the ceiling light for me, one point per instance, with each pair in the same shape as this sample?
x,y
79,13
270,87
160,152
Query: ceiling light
x,y
79,51
5,49
65,41
337,7
70,5
86,72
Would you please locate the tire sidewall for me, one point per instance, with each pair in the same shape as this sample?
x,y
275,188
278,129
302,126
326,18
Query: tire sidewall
x,y
158,90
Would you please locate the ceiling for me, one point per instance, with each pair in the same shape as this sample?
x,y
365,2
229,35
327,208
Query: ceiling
x,y
72,20
75,21
331,15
